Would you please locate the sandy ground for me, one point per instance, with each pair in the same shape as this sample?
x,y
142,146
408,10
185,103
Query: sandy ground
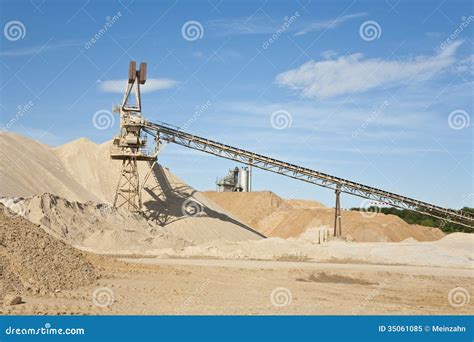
x,y
204,287
209,262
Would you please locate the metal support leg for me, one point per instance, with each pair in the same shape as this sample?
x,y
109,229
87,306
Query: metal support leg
x,y
337,216
250,175
128,192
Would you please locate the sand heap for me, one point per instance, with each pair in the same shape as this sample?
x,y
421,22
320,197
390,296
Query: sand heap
x,y
275,217
94,227
101,228
164,195
32,260
249,208
82,165
454,250
29,168
82,171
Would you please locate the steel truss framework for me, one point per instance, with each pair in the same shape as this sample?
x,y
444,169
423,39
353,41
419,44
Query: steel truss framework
x,y
128,146
128,191
168,133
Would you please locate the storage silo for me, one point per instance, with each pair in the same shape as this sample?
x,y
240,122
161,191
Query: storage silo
x,y
244,179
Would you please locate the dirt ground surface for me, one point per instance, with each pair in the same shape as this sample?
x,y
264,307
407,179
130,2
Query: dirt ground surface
x,y
65,250
206,287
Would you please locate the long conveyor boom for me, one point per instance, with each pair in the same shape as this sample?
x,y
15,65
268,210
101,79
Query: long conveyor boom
x,y
177,136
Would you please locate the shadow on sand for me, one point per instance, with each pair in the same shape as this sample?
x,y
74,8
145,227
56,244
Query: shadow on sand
x,y
170,204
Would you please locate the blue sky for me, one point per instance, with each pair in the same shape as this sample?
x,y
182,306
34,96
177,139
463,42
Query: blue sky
x,y
379,92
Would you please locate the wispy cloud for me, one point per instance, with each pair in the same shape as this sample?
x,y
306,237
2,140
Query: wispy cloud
x,y
328,24
355,73
330,117
223,55
400,128
152,84
466,65
241,26
256,24
38,49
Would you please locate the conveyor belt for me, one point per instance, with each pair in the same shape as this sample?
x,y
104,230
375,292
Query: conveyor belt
x,y
177,136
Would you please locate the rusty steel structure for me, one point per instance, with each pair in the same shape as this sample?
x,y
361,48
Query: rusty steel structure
x,y
130,145
165,133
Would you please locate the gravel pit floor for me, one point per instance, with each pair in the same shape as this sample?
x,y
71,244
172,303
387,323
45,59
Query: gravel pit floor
x,y
156,286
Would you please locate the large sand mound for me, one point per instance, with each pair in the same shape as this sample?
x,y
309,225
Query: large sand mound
x,y
38,171
275,217
101,228
29,168
249,208
82,171
164,195
94,227
90,165
32,260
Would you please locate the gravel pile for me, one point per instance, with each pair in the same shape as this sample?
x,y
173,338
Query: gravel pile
x,y
34,261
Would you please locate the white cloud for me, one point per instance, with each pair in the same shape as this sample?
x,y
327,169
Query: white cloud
x,y
152,84
329,54
328,24
355,73
260,24
241,26
38,49
222,55
329,117
466,65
